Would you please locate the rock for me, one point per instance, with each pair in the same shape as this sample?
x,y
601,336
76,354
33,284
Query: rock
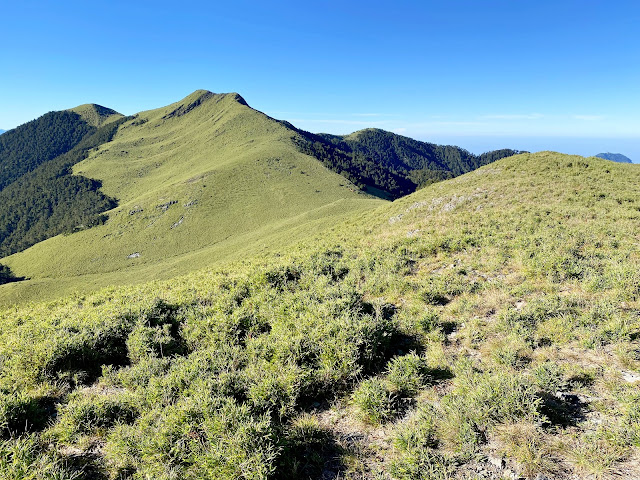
x,y
542,476
496,461
509,474
568,397
631,377
395,219
165,206
134,255
416,205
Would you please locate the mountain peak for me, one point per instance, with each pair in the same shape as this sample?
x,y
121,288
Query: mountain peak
x,y
199,94
96,115
614,157
238,98
199,97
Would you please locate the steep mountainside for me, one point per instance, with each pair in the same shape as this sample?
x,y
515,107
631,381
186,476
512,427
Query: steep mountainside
x,y
392,165
39,196
49,200
28,146
615,157
197,182
483,327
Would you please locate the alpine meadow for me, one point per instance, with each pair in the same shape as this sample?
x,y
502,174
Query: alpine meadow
x,y
201,291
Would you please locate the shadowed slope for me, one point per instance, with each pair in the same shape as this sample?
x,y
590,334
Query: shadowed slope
x,y
389,165
25,148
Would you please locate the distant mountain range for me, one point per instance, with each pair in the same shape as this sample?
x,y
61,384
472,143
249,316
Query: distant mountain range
x,y
2,131
614,157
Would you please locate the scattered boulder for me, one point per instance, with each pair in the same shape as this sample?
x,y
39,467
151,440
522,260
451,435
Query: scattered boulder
x,y
165,206
631,377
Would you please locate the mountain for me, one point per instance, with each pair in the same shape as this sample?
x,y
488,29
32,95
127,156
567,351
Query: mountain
x,y
40,197
96,115
198,182
2,131
483,326
390,165
614,157
201,181
26,147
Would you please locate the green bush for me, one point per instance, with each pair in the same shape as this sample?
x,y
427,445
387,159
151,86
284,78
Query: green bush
x,y
407,374
25,459
94,412
200,436
23,412
374,400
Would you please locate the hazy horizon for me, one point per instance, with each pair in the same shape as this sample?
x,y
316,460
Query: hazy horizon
x,y
586,147
630,147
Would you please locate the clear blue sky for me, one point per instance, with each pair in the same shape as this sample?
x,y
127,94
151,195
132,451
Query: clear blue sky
x,y
484,74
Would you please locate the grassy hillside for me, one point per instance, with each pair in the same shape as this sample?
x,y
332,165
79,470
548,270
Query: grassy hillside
x,y
482,327
204,180
96,115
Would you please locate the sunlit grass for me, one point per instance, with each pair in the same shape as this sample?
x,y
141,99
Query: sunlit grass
x,y
496,315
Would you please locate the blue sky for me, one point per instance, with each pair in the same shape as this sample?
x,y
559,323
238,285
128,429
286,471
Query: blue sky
x,y
483,74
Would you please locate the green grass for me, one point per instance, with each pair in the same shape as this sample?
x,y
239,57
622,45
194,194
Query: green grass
x,y
492,315
218,183
96,115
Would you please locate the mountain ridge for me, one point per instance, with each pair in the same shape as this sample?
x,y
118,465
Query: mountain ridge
x,y
421,163
170,174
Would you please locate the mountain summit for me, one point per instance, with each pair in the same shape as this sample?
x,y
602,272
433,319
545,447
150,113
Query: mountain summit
x,y
96,115
614,157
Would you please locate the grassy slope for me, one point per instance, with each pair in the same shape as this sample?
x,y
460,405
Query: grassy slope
x,y
231,182
516,285
96,115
